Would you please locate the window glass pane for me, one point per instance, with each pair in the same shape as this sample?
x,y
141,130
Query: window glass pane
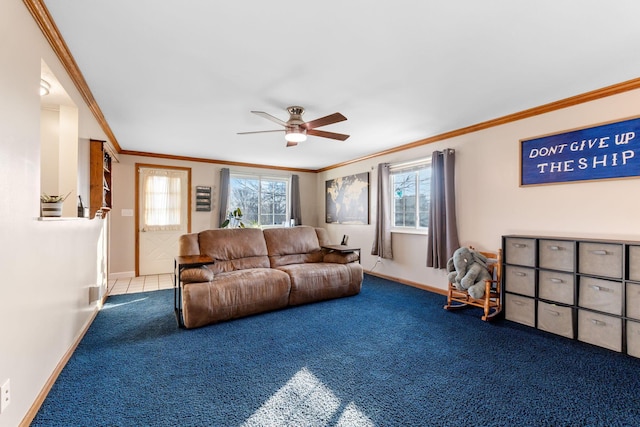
x,y
410,210
162,201
404,190
424,191
273,202
263,201
411,195
245,195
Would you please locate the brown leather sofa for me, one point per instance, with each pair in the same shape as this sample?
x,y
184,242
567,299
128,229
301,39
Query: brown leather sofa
x,y
258,270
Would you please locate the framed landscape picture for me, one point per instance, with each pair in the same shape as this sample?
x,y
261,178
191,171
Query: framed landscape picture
x,y
347,199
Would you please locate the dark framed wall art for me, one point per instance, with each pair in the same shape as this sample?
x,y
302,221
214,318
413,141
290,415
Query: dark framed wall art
x,y
203,199
347,199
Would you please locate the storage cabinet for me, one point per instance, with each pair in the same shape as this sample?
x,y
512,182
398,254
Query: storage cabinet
x,y
557,319
556,286
633,338
99,179
585,289
600,259
520,309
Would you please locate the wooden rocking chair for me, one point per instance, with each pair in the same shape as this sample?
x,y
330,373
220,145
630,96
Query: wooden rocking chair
x,y
491,302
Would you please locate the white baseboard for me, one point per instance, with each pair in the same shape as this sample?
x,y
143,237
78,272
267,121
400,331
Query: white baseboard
x,y
122,275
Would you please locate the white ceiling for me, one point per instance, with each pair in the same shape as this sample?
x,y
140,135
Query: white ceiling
x,y
181,77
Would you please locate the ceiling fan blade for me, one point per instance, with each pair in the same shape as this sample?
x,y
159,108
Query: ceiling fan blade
x,y
270,117
326,120
260,131
291,144
324,134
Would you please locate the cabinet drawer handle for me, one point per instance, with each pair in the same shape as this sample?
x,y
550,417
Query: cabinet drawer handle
x,y
600,288
598,322
555,280
516,302
599,252
554,248
519,245
520,273
552,312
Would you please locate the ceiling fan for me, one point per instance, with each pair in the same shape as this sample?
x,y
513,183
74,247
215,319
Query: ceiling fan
x,y
296,129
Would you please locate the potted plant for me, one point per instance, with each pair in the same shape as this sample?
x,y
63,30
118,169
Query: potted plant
x,y
51,206
234,220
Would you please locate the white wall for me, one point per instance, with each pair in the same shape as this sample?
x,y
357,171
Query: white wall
x,y
49,151
490,202
47,267
59,154
122,257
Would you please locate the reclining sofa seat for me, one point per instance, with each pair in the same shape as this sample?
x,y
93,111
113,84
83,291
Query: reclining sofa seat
x,y
242,282
297,252
257,271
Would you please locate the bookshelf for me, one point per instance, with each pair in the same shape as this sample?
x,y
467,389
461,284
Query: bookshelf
x,y
100,191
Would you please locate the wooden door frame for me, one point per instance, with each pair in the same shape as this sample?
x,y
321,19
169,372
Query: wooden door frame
x,y
137,204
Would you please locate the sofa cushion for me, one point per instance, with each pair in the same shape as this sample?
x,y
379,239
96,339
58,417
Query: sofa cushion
x,y
234,249
292,245
234,294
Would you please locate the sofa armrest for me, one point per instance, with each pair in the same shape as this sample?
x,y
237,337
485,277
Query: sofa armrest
x,y
341,257
195,275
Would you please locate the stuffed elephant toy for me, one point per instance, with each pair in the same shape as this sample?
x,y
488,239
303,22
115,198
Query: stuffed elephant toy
x,y
468,271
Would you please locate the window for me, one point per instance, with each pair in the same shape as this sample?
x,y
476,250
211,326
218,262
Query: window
x,y
410,191
163,203
162,195
263,200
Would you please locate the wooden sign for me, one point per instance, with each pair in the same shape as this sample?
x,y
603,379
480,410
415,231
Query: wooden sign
x,y
203,198
607,151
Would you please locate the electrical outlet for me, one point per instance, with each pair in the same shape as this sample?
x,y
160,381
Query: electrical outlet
x,y
5,395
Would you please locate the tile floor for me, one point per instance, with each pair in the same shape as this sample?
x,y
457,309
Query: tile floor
x,y
132,285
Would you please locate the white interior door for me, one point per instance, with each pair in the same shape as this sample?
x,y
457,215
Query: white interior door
x,y
163,215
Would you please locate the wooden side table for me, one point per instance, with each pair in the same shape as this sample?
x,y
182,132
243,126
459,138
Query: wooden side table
x,y
180,263
343,249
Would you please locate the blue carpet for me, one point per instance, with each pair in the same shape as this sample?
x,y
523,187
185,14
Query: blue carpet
x,y
389,356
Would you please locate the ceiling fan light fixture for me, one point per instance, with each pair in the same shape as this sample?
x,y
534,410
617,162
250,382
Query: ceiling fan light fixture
x,y
296,129
295,134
